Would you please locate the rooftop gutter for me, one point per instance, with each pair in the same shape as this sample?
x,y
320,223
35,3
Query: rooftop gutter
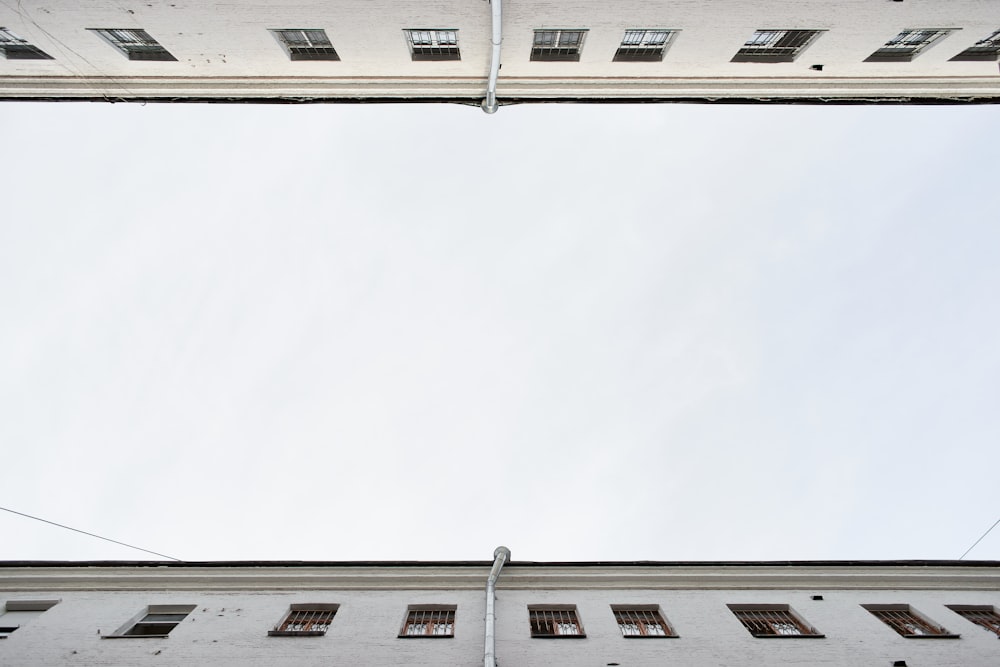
x,y
490,104
501,555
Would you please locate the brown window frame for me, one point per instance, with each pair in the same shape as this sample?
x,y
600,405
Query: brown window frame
x,y
899,616
983,615
430,616
641,616
763,620
554,615
314,618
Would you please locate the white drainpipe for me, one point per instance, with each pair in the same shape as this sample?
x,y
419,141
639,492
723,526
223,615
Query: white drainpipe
x,y
490,104
500,556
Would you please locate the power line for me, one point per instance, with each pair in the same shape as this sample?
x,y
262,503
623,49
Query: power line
x,y
979,540
106,539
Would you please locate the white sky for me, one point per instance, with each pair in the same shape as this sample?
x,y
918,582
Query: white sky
x,y
393,332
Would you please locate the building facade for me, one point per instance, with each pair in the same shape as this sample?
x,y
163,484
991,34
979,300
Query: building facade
x,y
913,613
578,50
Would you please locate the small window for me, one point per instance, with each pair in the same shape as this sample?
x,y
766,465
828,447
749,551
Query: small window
x,y
906,621
433,44
305,620
13,47
641,621
984,616
984,49
135,44
775,46
644,45
306,44
555,45
773,620
555,621
19,612
157,620
429,621
907,45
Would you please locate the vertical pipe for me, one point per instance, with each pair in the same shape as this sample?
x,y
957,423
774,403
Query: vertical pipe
x,y
500,556
490,104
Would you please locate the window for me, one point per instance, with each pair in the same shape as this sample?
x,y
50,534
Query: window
x,y
13,47
306,44
555,621
641,621
433,44
907,45
906,621
773,620
429,621
305,620
135,44
18,612
553,45
643,45
984,616
157,620
775,46
984,49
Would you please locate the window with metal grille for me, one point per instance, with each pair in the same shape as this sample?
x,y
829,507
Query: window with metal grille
x,y
135,44
984,616
554,621
773,620
644,45
18,612
305,620
555,45
157,620
433,44
907,45
13,47
641,621
906,621
984,49
429,621
306,44
775,46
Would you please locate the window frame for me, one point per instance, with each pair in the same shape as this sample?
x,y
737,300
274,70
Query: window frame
x,y
568,609
979,52
13,47
31,607
881,611
899,50
410,620
323,608
756,50
644,52
126,630
771,615
988,610
557,51
642,609
320,49
434,48
143,47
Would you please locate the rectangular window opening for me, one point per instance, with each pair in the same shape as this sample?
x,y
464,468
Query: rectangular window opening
x,y
16,613
907,622
157,620
555,621
985,616
306,44
134,43
984,49
907,45
433,44
775,46
558,45
773,620
641,621
429,621
644,45
13,47
305,620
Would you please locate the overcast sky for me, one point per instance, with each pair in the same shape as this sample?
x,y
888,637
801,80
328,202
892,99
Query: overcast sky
x,y
418,332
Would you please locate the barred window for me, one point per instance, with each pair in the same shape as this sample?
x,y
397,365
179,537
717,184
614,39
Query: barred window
x,y
305,620
13,47
433,44
554,621
641,621
134,43
429,621
984,616
772,620
306,44
907,45
775,46
644,45
907,622
556,45
984,49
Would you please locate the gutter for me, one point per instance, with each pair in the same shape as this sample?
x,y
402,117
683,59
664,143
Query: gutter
x,y
490,104
500,555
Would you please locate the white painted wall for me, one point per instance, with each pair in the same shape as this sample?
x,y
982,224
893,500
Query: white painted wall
x,y
225,49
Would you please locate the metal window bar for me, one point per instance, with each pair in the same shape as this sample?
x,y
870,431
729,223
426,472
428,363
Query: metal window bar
x,y
984,49
984,618
643,45
135,43
430,623
433,44
13,47
307,621
906,623
773,43
772,623
554,623
307,44
556,45
910,42
641,623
